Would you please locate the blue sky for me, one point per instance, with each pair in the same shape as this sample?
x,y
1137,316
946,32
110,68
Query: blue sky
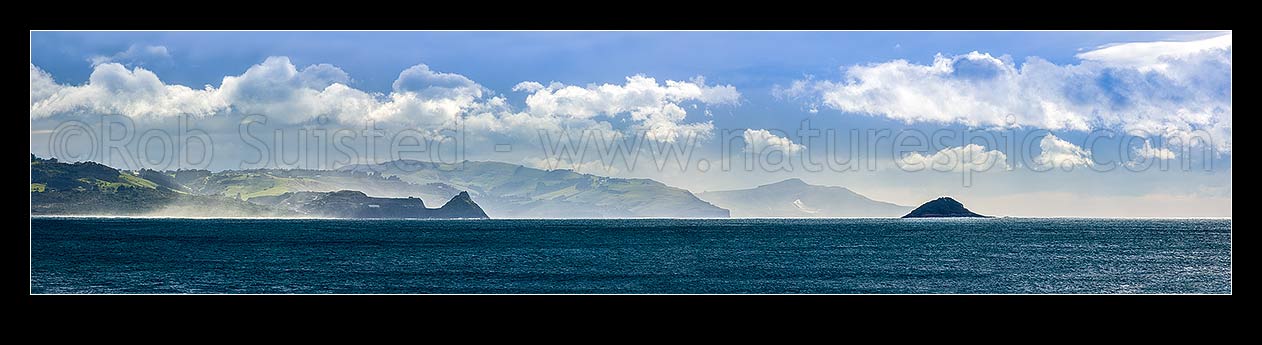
x,y
501,59
1068,84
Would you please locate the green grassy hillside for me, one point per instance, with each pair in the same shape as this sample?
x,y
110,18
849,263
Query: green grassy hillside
x,y
87,188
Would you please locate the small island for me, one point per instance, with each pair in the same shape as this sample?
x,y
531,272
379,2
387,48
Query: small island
x,y
943,207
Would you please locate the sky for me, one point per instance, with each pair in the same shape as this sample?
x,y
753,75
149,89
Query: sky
x,y
1134,124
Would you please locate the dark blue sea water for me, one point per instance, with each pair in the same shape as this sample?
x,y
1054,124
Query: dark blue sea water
x,y
1006,255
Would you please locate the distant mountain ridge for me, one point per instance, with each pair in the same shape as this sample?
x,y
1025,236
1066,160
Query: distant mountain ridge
x,y
515,191
796,198
502,190
251,183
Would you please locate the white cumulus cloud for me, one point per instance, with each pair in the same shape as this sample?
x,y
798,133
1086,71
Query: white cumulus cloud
x,y
655,107
1149,152
420,79
760,141
320,76
971,157
42,85
528,86
113,89
1060,153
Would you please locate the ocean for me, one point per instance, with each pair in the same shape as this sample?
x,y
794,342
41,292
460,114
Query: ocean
x,y
629,256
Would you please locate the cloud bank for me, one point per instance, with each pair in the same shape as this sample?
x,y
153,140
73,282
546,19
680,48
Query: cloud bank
x,y
1169,89
420,97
